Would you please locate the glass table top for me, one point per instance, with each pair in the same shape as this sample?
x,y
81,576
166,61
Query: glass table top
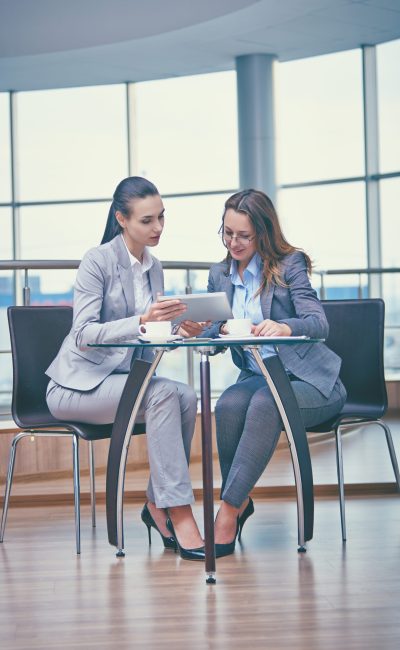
x,y
221,342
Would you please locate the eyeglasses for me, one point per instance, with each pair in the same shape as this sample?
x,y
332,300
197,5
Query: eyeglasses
x,y
243,240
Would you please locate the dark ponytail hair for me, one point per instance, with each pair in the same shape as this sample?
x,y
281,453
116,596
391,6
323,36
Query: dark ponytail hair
x,y
133,187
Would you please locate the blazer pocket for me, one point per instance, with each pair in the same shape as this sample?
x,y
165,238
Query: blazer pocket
x,y
92,354
303,349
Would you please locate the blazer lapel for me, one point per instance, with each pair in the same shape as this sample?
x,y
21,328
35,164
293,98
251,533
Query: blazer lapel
x,y
125,273
266,301
155,278
227,286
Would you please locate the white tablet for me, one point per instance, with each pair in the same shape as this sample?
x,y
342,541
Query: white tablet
x,y
203,306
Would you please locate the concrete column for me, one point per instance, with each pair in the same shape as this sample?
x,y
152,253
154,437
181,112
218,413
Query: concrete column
x,y
256,125
371,135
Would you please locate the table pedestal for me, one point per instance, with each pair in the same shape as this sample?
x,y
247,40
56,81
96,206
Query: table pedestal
x,y
207,455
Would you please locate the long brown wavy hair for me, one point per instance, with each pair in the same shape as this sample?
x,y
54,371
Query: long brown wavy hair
x,y
271,244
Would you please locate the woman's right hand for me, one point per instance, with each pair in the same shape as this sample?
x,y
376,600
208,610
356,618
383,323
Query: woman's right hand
x,y
164,310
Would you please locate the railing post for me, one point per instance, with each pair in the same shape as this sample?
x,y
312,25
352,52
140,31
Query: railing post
x,y
26,291
322,286
359,287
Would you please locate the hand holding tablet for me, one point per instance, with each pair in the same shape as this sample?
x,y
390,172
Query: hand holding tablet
x,y
202,306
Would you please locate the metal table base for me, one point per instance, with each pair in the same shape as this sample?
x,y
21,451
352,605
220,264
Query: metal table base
x,y
136,385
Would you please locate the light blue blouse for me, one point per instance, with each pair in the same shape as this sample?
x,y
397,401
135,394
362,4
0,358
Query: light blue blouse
x,y
247,305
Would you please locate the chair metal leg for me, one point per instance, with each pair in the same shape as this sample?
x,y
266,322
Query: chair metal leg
x,y
10,472
75,456
92,474
392,452
339,465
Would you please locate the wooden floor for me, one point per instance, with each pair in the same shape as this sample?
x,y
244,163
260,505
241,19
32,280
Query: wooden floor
x,y
267,595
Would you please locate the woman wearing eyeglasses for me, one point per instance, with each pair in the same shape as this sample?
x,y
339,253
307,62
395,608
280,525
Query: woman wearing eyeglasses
x,y
267,280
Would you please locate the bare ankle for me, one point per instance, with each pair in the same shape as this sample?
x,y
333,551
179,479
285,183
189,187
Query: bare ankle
x,y
228,510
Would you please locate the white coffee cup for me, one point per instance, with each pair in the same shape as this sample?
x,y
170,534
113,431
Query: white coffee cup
x,y
239,326
160,329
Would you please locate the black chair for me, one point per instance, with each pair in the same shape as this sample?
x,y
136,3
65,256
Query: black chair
x,y
36,336
356,334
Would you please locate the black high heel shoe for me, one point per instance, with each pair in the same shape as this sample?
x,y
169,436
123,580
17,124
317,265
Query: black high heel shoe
x,y
186,553
227,549
169,542
247,512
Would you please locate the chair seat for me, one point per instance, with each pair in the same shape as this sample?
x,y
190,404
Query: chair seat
x,y
351,412
84,430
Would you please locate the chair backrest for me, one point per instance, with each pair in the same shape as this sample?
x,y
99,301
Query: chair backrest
x,y
356,334
36,336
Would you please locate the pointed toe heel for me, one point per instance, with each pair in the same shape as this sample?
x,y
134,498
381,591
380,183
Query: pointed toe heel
x,y
169,542
227,549
186,553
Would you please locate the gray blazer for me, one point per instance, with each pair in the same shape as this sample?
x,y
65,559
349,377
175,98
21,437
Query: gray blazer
x,y
297,305
104,307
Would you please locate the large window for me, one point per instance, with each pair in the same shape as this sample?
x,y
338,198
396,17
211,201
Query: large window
x,y
186,133
319,118
5,153
388,60
71,143
321,141
328,222
6,246
61,231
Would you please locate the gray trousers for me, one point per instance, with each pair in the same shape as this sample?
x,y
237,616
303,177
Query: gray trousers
x,y
249,425
169,410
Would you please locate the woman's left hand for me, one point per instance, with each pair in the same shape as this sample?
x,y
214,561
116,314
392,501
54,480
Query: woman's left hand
x,y
189,328
271,328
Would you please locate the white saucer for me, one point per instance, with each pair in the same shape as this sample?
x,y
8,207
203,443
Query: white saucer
x,y
160,339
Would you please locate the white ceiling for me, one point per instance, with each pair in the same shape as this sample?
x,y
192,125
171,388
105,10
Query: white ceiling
x,y
59,43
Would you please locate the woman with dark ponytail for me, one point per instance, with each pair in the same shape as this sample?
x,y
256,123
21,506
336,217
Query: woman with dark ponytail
x,y
115,293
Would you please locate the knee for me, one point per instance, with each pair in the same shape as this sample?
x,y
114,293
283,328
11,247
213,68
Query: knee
x,y
162,390
263,406
188,398
226,405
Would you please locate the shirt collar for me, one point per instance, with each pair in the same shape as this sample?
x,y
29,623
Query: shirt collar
x,y
253,267
147,258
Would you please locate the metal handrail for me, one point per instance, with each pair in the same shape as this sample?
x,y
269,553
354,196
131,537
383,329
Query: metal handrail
x,y
22,265
26,265
360,272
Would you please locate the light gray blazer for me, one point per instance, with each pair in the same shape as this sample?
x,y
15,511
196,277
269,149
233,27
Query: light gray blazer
x,y
297,305
104,307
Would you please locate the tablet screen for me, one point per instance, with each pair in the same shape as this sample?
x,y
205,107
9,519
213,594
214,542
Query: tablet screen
x,y
203,306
